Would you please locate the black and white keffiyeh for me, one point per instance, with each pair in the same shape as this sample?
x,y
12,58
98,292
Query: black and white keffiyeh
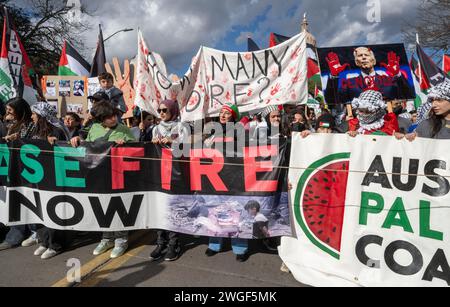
x,y
440,91
372,102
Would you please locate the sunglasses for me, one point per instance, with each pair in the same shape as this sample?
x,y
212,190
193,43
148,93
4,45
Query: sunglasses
x,y
164,111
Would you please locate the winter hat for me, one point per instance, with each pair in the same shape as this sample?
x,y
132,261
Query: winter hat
x,y
234,110
173,107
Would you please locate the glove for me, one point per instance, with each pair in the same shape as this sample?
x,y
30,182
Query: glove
x,y
334,63
393,65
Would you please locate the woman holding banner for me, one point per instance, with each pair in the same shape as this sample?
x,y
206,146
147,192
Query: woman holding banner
x,y
18,113
228,114
169,131
47,127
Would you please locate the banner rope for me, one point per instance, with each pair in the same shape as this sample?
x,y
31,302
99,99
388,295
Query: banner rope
x,y
232,164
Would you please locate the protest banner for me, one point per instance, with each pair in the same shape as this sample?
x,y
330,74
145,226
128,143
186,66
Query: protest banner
x,y
142,186
250,80
68,92
369,211
348,71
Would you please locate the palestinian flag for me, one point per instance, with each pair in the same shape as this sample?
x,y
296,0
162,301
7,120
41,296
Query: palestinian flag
x,y
431,71
421,83
446,64
419,74
252,46
72,63
17,77
313,66
277,39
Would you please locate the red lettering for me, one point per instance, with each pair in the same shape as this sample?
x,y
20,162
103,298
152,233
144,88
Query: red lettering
x,y
119,166
211,171
166,169
252,167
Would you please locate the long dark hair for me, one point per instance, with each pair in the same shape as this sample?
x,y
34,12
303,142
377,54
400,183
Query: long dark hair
x,y
23,113
42,128
437,122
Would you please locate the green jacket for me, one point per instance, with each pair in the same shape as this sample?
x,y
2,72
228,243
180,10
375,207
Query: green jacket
x,y
121,132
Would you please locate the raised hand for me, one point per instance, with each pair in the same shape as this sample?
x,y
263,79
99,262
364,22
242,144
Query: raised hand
x,y
335,65
393,65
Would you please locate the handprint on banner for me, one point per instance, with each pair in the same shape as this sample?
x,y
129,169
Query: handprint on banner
x,y
393,65
335,65
296,53
123,82
275,89
248,56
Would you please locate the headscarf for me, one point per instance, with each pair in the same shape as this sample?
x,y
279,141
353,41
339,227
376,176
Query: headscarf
x,y
440,91
49,112
234,110
173,107
374,103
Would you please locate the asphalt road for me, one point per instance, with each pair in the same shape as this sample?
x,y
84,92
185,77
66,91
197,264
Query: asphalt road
x,y
19,268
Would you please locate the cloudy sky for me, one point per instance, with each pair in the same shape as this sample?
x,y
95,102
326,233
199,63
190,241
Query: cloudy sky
x,y
177,28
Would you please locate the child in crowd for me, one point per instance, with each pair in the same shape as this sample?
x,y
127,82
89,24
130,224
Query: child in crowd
x,y
108,129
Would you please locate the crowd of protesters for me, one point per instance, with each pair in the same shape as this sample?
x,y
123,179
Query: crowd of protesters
x,y
370,115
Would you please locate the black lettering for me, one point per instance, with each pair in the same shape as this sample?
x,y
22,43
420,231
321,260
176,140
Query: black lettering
x,y
64,199
439,262
167,81
412,174
444,186
409,270
221,67
279,61
116,205
16,200
214,95
361,250
236,94
377,167
241,66
256,62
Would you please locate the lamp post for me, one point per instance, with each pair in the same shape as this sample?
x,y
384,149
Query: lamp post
x,y
123,30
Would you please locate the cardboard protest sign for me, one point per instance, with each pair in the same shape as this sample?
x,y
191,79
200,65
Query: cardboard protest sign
x,y
69,92
348,71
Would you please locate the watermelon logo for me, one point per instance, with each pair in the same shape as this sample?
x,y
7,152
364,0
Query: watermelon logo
x,y
319,203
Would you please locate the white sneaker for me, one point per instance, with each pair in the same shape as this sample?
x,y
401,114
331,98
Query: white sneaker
x,y
103,247
49,253
30,242
118,251
41,250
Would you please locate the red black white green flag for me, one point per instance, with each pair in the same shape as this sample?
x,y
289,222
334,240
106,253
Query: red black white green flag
x,y
72,63
446,64
17,77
